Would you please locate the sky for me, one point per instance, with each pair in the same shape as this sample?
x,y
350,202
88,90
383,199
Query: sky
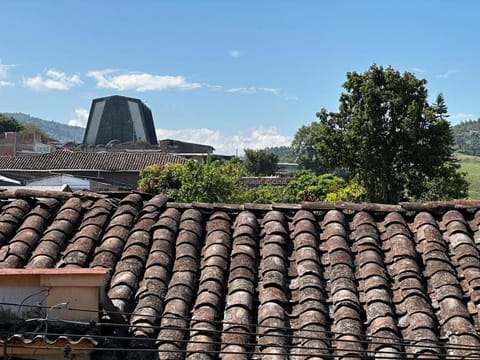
x,y
232,74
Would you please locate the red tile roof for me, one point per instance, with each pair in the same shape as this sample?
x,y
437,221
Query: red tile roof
x,y
301,281
70,160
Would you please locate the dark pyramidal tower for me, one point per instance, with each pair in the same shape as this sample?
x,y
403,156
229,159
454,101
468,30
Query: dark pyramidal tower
x,y
119,118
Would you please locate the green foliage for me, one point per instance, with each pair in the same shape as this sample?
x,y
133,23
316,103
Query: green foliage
x,y
308,186
353,191
219,182
304,146
211,181
160,178
386,135
450,183
260,162
9,124
266,194
305,186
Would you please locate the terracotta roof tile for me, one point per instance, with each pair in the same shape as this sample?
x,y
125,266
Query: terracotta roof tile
x,y
110,161
218,281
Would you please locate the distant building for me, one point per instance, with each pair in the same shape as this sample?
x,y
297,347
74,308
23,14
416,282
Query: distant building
x,y
121,169
54,182
18,143
183,147
286,169
119,119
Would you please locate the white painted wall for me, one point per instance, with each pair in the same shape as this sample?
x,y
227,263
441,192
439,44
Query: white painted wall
x,y
25,295
73,182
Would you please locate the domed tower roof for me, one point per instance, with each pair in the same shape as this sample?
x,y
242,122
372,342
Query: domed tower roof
x,y
119,118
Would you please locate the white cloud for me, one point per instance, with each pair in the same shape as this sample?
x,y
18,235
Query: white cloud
x,y
274,91
459,117
212,87
3,70
101,77
447,74
3,74
81,118
243,90
53,80
256,138
256,90
234,53
111,79
253,90
419,70
5,83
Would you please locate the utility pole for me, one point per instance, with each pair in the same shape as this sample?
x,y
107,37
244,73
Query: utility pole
x,y
15,143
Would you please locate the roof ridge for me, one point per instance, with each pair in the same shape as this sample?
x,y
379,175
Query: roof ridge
x,y
414,206
402,207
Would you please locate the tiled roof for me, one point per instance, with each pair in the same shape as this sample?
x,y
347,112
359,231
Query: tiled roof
x,y
303,281
265,180
70,160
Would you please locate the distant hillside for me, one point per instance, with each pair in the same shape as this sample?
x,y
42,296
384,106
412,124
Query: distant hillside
x,y
56,130
284,153
467,137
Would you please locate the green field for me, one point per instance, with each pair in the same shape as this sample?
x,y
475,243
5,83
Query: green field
x,y
471,165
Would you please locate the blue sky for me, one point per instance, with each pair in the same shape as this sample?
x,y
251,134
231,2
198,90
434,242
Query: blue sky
x,y
232,74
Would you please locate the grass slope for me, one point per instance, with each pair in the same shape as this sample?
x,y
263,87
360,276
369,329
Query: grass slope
x,y
471,165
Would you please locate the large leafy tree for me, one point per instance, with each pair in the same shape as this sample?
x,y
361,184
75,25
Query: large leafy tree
x,y
260,162
304,145
9,124
388,137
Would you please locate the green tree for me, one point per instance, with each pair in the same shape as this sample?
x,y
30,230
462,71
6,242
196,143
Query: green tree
x,y
266,194
210,181
388,137
352,191
160,178
304,146
9,124
449,183
260,162
308,186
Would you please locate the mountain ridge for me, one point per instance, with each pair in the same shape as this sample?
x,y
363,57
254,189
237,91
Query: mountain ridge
x,y
54,129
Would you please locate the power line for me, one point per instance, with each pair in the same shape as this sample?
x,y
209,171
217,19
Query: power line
x,y
331,355
233,324
368,339
308,338
221,322
400,344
